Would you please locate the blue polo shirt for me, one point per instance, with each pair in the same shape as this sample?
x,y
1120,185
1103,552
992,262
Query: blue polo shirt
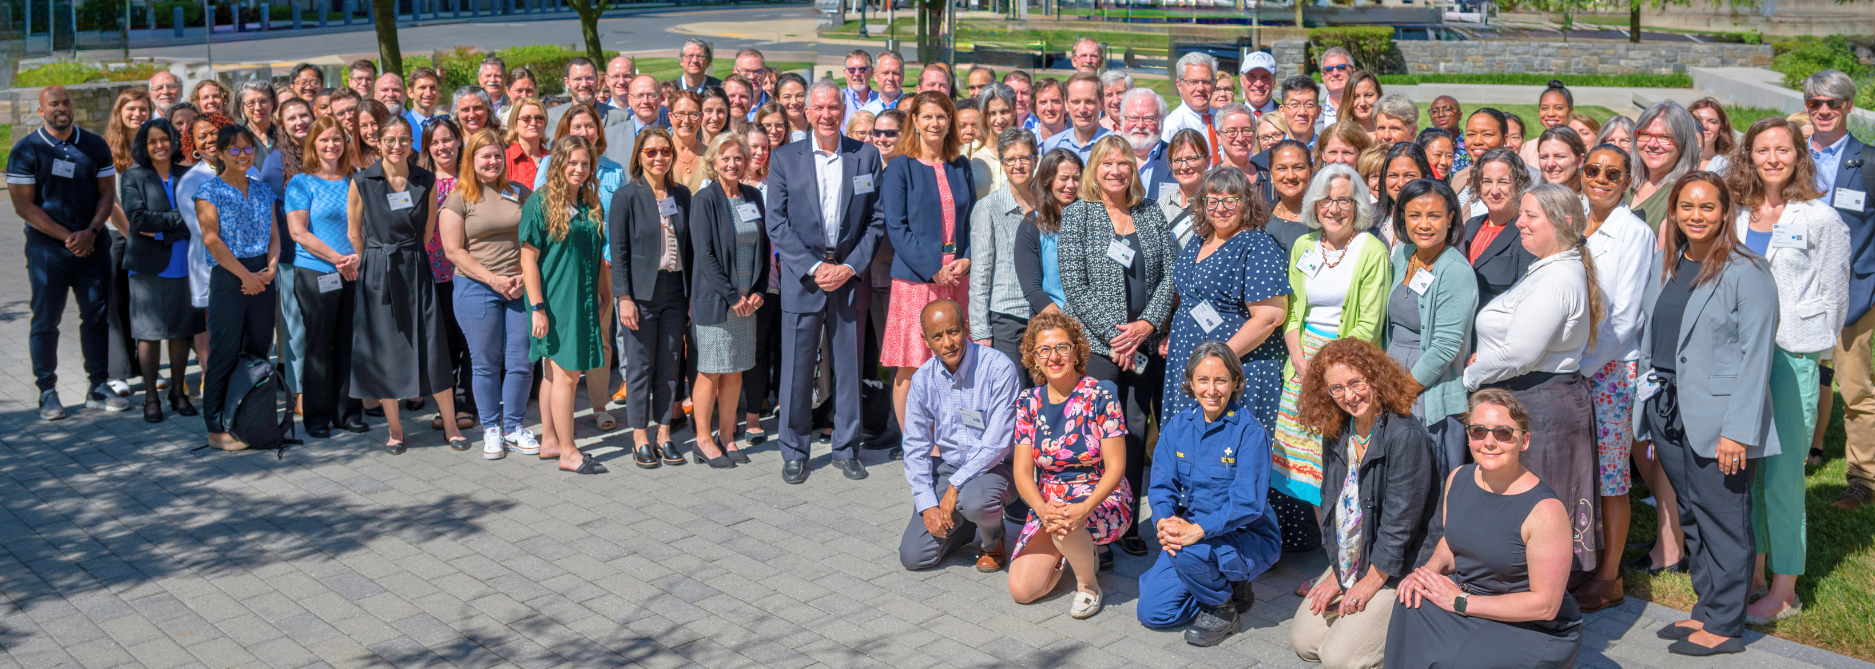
x,y
64,174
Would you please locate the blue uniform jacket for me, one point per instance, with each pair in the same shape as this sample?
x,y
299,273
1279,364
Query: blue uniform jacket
x,y
1219,474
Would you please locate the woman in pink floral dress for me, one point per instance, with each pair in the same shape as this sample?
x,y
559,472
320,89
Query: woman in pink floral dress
x,y
1072,430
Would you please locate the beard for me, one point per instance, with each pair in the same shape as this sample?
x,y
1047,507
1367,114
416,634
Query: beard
x,y
1142,144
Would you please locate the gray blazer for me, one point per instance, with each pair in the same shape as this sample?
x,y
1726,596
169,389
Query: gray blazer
x,y
621,134
1726,341
1095,285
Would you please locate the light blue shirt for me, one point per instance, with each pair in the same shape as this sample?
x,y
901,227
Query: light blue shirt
x,y
1146,172
1051,269
610,176
1828,162
1065,140
856,103
969,415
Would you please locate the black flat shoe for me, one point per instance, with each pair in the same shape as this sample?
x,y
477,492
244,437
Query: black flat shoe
x,y
413,405
1133,545
394,448
374,411
718,462
459,444
851,468
670,454
735,455
152,411
587,465
1672,632
794,472
645,457
1645,564
179,403
356,426
1687,647
319,432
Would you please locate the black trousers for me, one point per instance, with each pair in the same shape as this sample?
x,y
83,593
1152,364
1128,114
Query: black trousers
x,y
123,349
54,273
762,379
1006,336
1715,514
459,362
653,353
1140,394
237,324
326,365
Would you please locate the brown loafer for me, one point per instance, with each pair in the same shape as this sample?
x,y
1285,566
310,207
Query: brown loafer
x,y
1595,595
990,560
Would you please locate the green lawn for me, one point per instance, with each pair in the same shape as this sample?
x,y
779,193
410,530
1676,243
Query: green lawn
x,y
1530,79
6,142
666,69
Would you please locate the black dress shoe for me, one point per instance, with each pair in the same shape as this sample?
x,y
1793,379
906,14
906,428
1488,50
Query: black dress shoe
x,y
375,411
1213,625
794,471
152,411
851,468
356,425
1106,558
671,455
1687,647
179,403
645,456
1133,545
1672,632
319,432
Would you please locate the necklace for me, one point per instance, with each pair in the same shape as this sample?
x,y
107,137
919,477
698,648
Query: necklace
x,y
1330,264
1359,443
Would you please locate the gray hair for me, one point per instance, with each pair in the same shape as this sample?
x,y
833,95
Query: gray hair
x,y
1012,137
709,52
1218,115
996,91
747,52
1395,105
1611,125
1158,102
1208,349
861,54
261,86
1832,84
1194,58
1111,77
1318,191
1336,51
827,84
476,91
1686,136
1084,39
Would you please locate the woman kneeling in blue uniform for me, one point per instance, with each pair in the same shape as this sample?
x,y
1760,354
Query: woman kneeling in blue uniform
x,y
1210,473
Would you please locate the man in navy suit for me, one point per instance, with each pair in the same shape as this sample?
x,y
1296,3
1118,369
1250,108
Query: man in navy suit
x,y
1843,167
824,221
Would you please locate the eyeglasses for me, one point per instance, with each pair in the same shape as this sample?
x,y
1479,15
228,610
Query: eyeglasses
x,y
256,102
1310,104
688,116
1650,138
1270,138
242,150
1189,161
1332,69
691,56
395,141
1502,435
1814,104
1234,133
1337,203
1024,161
1140,120
1446,109
1195,82
776,127
534,119
1597,172
1062,350
1230,203
1355,386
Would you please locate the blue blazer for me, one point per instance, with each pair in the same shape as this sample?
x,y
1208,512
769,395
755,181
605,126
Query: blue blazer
x,y
1856,171
796,230
913,220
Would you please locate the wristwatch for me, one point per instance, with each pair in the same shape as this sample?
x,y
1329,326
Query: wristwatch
x,y
538,306
1458,604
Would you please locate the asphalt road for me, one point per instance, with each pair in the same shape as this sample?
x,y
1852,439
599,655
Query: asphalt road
x,y
636,32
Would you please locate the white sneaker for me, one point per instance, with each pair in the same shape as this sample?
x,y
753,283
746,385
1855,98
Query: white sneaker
x,y
49,406
492,446
523,442
119,386
103,397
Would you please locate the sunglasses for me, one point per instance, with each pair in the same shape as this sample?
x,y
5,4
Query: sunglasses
x,y
1597,172
1336,68
659,153
885,134
1502,435
1814,104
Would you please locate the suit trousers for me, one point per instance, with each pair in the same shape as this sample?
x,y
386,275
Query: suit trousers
x,y
1140,394
979,506
326,359
1357,641
800,345
1006,336
654,353
1856,379
761,380
1715,513
291,336
237,323
123,349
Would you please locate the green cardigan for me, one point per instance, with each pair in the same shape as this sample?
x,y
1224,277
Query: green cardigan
x,y
1364,308
1445,314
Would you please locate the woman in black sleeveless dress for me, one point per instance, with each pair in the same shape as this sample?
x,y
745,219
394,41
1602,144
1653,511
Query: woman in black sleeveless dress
x,y
1494,595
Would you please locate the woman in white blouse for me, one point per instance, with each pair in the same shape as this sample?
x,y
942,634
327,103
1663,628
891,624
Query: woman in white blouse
x,y
1783,218
1530,341
1622,248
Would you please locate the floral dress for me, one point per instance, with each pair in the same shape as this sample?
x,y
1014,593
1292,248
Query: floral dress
x,y
440,267
1067,454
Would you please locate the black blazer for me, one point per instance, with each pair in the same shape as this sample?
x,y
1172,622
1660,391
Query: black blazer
x,y
632,221
1501,265
713,248
1399,490
1856,171
147,207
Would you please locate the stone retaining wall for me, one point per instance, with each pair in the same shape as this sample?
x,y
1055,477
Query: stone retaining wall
x,y
92,102
1579,57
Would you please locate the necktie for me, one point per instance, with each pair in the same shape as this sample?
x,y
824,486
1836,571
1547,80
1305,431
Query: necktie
x,y
1210,132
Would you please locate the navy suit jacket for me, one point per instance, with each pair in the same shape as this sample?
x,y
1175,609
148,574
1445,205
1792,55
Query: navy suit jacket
x,y
795,225
915,223
1856,171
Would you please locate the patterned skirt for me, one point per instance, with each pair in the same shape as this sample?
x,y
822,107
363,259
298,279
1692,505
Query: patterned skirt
x,y
904,331
1296,453
1612,391
1107,521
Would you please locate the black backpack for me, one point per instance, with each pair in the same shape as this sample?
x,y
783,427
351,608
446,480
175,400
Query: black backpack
x,y
252,408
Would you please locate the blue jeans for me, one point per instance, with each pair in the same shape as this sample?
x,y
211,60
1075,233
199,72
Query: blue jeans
x,y
53,271
497,329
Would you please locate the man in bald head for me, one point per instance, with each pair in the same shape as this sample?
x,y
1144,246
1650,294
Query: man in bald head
x,y
636,110
963,403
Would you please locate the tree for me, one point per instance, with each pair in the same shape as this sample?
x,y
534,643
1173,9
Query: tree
x,y
384,17
589,12
930,26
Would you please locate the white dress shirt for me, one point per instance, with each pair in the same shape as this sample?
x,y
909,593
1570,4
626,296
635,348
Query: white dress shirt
x,y
1623,253
828,168
1828,162
1183,118
1539,325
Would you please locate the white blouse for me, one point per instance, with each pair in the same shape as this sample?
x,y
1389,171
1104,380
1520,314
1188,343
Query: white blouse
x,y
1539,325
1623,251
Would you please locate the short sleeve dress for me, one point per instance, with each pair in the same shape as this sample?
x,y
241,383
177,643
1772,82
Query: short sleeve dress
x,y
1066,439
1248,267
569,277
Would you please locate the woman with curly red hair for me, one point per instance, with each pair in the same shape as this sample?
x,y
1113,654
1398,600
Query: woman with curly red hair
x,y
1380,484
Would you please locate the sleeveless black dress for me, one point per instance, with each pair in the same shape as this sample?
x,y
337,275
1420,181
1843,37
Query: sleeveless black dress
x,y
399,347
1484,531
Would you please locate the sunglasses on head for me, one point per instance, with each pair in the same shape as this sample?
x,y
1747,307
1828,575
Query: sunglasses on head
x,y
1502,435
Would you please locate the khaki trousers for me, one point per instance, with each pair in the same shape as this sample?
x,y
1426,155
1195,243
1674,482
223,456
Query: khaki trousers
x,y
1358,641
1853,377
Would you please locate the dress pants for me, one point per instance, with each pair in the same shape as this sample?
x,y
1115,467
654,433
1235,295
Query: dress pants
x,y
1140,393
654,352
1856,379
979,506
761,380
1715,513
1778,521
291,337
1356,641
237,324
123,349
1175,585
52,272
496,329
1006,336
800,345
326,359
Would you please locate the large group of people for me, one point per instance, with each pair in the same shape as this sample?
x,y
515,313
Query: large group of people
x,y
1287,321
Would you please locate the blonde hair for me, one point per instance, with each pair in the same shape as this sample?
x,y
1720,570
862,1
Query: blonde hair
x,y
471,186
562,196
722,141
1090,186
514,132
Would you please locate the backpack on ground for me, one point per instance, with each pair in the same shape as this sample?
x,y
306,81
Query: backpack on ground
x,y
252,408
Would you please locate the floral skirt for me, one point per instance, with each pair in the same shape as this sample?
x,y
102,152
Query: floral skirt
x,y
1107,521
1611,390
904,330
1296,452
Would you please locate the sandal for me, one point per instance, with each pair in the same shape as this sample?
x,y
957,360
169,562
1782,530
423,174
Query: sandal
x,y
604,420
465,421
587,465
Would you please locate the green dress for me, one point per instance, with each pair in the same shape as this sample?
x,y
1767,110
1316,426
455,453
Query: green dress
x,y
569,275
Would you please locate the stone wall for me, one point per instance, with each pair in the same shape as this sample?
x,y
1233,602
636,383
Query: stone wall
x,y
92,102
1579,57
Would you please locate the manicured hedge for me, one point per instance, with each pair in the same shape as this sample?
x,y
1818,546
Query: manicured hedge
x,y
1372,46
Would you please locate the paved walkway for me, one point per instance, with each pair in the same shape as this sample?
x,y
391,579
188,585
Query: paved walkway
x,y
123,545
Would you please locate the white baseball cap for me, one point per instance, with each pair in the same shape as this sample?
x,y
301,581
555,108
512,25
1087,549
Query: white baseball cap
x,y
1256,60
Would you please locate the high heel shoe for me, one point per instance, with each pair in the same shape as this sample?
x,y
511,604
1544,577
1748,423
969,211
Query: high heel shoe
x,y
179,402
152,411
718,462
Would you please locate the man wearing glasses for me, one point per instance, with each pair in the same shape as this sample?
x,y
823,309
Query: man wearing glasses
x,y
1142,112
618,82
360,75
581,84
622,124
166,91
1086,56
1337,68
859,95
1196,77
1302,107
696,60
752,66
1844,172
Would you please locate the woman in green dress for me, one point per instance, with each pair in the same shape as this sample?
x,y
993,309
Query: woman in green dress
x,y
567,280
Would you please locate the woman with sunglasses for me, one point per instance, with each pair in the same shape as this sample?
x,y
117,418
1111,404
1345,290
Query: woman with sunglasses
x,y
1492,594
650,244
236,216
527,140
886,129
1709,343
1188,158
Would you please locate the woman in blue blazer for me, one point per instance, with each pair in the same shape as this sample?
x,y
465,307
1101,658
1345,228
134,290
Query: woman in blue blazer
x,y
1708,335
927,194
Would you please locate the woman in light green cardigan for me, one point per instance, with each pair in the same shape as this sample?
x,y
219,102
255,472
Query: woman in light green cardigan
x,y
1433,297
1340,277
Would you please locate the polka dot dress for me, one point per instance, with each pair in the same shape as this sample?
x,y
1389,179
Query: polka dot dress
x,y
1249,267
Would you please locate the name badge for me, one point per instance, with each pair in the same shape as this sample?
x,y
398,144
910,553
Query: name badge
x,y
64,168
1845,198
973,418
1646,387
1422,280
667,207
1207,316
513,194
401,201
1310,263
749,212
862,184
1789,236
1178,232
329,282
1120,252
797,135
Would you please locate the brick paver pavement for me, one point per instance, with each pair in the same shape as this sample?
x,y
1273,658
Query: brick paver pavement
x,y
125,545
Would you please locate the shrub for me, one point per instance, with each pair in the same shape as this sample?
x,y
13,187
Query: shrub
x,y
1372,46
547,61
69,73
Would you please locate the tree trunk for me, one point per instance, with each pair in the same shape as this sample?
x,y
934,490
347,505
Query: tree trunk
x,y
1634,21
384,17
589,12
1298,14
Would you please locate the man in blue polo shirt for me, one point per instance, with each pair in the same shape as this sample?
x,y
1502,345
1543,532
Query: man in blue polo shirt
x,y
63,183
